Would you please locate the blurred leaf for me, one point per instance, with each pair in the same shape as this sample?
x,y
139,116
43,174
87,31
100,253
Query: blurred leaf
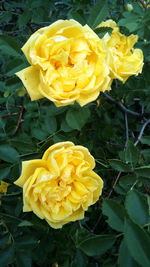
x,y
49,125
25,223
65,127
4,240
5,16
127,181
97,245
98,13
23,258
131,26
131,153
80,259
145,140
14,66
119,165
76,119
125,259
9,46
8,154
102,31
4,172
76,16
143,171
39,133
138,243
6,255
26,241
24,18
115,213
137,207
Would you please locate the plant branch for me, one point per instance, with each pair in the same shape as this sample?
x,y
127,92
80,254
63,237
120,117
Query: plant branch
x,y
19,120
127,128
121,106
142,132
110,193
115,182
144,5
96,224
8,115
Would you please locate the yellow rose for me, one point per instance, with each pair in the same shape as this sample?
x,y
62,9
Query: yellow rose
x,y
3,187
62,185
125,61
68,63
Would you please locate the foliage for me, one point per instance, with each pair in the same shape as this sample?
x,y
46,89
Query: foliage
x,y
115,129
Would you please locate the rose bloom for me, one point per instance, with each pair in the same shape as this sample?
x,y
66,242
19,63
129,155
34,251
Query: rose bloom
x,y
125,61
62,185
3,187
68,63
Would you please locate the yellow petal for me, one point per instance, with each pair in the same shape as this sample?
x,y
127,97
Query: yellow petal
x,y
56,146
87,98
108,23
28,168
31,80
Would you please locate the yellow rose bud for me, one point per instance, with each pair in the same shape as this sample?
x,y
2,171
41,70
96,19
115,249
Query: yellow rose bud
x,y
62,185
3,187
125,61
68,63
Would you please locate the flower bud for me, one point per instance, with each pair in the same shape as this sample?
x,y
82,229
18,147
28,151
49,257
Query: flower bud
x,y
129,7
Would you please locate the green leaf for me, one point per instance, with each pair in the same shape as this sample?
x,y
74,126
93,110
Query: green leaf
x,y
137,207
127,181
102,31
76,119
145,140
80,259
25,223
5,16
4,172
98,13
97,245
76,16
23,258
65,127
119,165
6,255
8,154
130,25
115,213
125,259
4,240
131,153
26,241
146,154
14,66
24,18
138,243
39,133
143,171
9,46
49,124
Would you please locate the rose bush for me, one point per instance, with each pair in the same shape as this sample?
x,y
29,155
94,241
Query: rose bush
x,y
125,61
62,185
69,63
